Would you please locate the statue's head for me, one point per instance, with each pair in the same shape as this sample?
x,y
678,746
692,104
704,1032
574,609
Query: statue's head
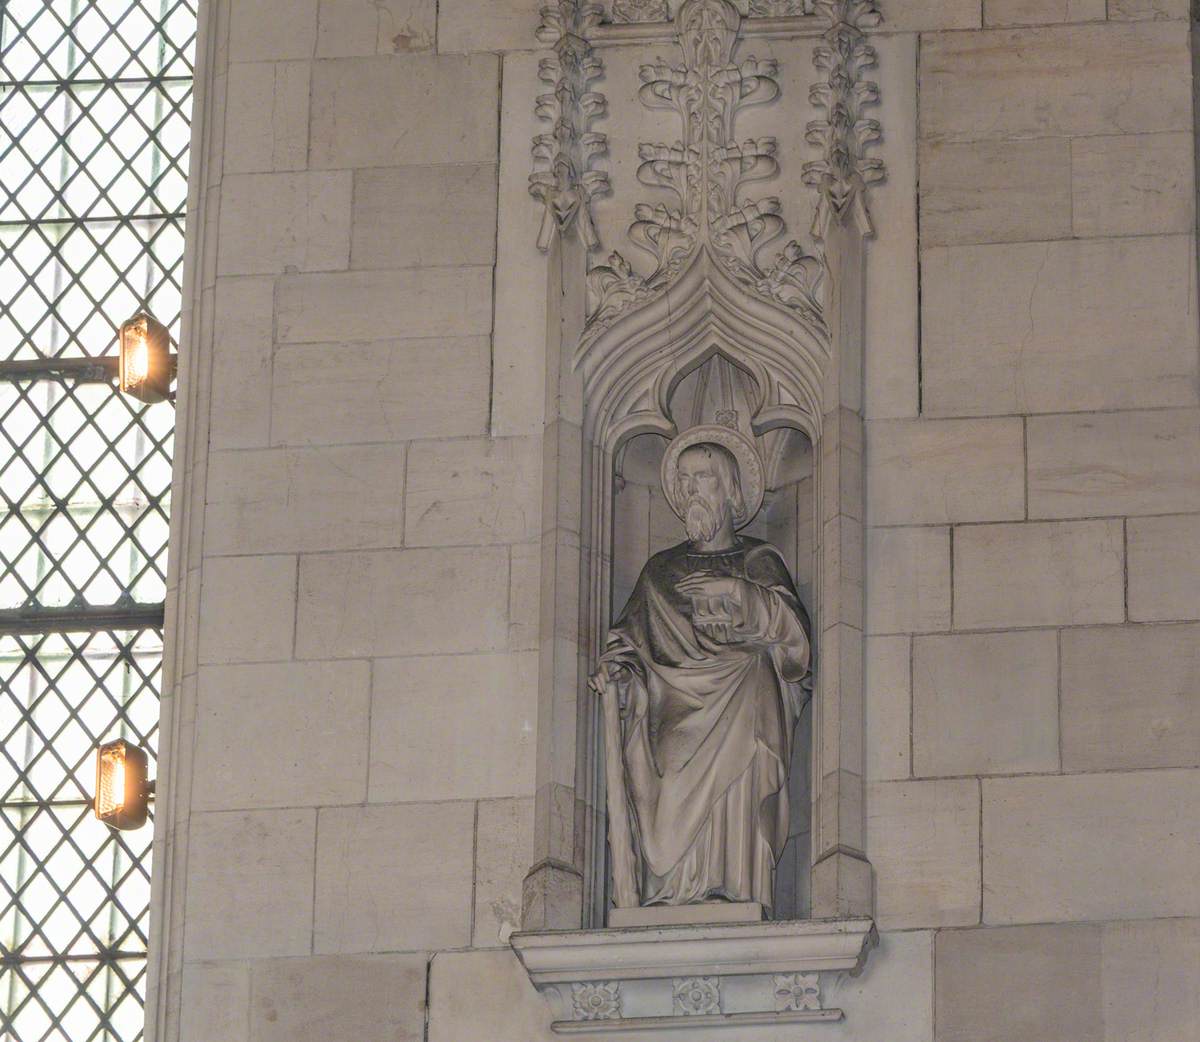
x,y
712,473
709,490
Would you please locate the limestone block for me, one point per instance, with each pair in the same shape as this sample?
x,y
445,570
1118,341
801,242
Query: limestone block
x,y
925,472
266,117
995,191
1132,184
1019,983
1149,972
889,708
908,580
424,216
247,609
503,1006
270,222
352,306
923,840
1164,567
394,878
351,28
1049,574
923,16
282,734
1134,10
1114,463
478,490
985,703
402,602
250,884
451,727
214,1005
519,351
389,390
524,596
1131,697
272,32
1113,982
503,854
287,499
1053,81
891,372
467,26
448,114
1091,846
368,998
1002,13
892,998
1058,326
239,414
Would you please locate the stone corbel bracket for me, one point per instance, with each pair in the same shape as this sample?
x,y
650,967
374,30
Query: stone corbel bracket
x,y
692,977
563,180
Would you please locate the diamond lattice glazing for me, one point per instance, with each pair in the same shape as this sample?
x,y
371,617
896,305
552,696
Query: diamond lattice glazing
x,y
95,100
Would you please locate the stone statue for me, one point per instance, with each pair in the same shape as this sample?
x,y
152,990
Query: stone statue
x,y
701,685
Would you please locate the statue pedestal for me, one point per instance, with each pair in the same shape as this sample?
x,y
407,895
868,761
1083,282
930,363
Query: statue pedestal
x,y
671,977
687,915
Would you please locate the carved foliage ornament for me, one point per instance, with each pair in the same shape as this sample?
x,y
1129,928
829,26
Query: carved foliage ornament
x,y
696,996
797,991
625,11
596,1000
843,172
564,181
706,171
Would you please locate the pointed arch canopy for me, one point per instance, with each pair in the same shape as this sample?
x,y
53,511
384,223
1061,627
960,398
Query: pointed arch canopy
x,y
631,367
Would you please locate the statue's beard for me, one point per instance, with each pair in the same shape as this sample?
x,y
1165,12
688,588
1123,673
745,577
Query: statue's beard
x,y
701,521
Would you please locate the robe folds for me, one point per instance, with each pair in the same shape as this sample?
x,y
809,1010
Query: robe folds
x,y
707,726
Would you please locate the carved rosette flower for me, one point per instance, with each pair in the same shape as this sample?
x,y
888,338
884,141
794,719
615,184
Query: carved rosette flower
x,y
706,172
597,1000
844,171
697,996
563,179
797,991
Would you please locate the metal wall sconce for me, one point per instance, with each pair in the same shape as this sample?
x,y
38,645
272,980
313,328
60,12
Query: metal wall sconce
x,y
143,368
123,791
145,364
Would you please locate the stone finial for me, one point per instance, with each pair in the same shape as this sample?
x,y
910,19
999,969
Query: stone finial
x,y
564,181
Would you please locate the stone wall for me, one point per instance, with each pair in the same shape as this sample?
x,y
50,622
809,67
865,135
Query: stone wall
x,y
351,708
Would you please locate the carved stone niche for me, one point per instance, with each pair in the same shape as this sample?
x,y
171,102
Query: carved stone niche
x,y
709,335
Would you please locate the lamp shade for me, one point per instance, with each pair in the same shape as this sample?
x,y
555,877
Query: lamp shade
x,y
146,365
122,788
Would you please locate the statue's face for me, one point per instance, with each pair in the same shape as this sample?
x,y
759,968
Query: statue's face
x,y
700,486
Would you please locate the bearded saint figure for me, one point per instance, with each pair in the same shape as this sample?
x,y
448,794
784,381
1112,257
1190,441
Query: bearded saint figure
x,y
701,682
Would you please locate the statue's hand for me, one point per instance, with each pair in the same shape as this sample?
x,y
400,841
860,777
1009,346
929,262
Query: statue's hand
x,y
716,604
611,676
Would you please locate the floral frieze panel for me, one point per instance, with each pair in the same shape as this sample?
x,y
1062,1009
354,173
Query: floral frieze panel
x,y
624,12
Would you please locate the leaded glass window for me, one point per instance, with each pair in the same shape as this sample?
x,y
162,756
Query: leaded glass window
x,y
95,100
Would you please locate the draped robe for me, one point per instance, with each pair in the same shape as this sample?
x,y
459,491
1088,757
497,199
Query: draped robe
x,y
707,726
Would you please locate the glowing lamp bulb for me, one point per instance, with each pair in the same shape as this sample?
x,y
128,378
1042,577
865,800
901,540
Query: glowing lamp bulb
x,y
122,790
145,364
135,353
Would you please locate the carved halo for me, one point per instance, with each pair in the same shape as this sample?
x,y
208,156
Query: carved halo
x,y
750,465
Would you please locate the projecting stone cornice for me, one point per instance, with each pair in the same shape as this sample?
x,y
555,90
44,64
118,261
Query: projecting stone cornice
x,y
665,978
